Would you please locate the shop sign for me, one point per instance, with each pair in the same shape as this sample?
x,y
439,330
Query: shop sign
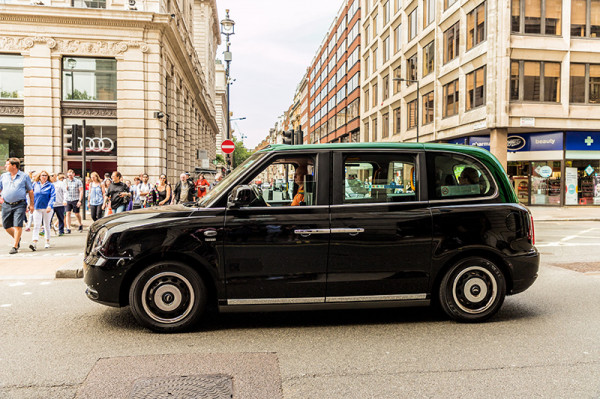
x,y
515,143
535,142
480,141
589,170
583,141
570,186
527,122
545,171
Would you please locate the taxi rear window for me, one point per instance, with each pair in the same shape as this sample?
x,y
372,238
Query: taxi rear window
x,y
458,176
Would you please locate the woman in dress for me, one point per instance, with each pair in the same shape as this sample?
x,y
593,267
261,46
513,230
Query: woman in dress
x,y
96,196
44,196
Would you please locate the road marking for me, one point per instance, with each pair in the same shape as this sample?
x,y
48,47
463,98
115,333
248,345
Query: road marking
x,y
27,293
567,244
6,305
45,283
17,284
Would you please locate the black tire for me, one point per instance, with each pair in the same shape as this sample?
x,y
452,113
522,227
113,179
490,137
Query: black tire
x,y
168,297
472,290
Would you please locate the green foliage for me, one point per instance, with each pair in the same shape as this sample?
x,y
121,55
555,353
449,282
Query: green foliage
x,y
220,159
78,95
240,154
9,94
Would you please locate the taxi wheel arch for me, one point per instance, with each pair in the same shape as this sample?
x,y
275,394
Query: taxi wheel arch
x,y
168,296
472,289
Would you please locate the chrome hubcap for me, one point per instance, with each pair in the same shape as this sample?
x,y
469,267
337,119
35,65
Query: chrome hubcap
x,y
168,297
474,290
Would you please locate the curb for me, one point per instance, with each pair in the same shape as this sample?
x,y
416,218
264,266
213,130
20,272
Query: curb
x,y
69,273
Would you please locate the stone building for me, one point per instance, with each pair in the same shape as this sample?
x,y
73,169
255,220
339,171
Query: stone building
x,y
141,74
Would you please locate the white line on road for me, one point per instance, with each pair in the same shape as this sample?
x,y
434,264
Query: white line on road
x,y
567,244
5,305
27,293
17,284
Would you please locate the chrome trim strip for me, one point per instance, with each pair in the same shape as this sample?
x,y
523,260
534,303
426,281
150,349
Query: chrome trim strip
x,y
312,231
369,298
274,301
348,230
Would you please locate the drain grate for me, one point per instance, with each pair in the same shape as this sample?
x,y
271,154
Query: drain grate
x,y
184,387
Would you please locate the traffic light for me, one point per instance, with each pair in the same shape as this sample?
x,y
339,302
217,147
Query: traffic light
x,y
299,136
73,135
288,137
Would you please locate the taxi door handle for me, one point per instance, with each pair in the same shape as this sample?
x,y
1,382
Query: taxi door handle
x,y
351,231
308,232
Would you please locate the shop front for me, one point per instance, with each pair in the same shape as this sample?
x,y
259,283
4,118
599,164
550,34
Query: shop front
x,y
551,168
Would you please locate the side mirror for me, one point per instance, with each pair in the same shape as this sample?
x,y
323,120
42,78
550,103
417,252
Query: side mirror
x,y
240,196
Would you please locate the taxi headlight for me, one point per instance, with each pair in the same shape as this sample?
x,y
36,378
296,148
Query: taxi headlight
x,y
100,239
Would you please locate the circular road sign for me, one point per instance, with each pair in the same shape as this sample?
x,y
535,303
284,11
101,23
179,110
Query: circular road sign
x,y
227,146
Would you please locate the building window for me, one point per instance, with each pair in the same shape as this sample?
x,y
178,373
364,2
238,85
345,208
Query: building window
x,y
428,102
412,24
536,16
476,31
397,77
428,12
12,138
374,25
385,129
375,96
451,99
89,79
428,58
374,139
476,88
331,125
585,83
88,3
386,49
11,76
375,59
353,110
411,68
585,18
448,3
451,40
366,135
397,120
412,114
535,81
397,38
101,138
340,118
367,29
386,87
386,13
396,5
367,65
367,98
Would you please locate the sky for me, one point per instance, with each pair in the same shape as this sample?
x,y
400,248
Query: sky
x,y
274,42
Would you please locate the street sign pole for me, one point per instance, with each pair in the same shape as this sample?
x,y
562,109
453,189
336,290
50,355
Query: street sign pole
x,y
83,151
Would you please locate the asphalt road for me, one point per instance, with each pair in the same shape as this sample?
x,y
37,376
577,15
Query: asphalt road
x,y
544,342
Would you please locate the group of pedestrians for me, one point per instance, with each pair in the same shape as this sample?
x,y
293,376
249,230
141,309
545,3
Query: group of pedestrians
x,y
44,195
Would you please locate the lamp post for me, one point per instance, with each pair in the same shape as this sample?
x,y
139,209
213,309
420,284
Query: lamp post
x,y
417,82
227,29
71,62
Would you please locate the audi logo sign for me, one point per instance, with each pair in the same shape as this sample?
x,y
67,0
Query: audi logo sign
x,y
514,143
98,144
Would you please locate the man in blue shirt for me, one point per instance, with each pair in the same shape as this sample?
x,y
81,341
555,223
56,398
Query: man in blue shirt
x,y
14,188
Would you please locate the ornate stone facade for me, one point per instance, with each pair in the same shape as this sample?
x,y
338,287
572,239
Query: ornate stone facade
x,y
151,49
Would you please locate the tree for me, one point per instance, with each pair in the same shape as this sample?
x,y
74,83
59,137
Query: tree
x,y
240,154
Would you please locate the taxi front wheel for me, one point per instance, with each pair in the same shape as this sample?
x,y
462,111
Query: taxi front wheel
x,y
168,297
472,290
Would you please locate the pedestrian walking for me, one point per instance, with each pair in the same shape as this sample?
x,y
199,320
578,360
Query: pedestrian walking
x,y
135,191
96,196
60,188
202,186
184,190
163,190
117,194
44,196
28,215
14,187
145,187
74,199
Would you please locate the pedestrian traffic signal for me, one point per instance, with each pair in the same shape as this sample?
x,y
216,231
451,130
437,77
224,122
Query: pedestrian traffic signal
x,y
73,135
288,137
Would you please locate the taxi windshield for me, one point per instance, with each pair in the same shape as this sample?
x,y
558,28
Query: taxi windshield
x,y
225,184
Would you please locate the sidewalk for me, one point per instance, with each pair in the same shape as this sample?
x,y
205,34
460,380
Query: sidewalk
x,y
64,258
566,214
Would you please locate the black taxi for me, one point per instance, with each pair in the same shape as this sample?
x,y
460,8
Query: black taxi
x,y
319,227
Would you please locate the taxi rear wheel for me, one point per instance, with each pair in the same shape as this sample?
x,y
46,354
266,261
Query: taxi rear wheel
x,y
168,297
472,290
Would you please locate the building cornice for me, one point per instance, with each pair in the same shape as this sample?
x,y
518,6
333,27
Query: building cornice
x,y
11,107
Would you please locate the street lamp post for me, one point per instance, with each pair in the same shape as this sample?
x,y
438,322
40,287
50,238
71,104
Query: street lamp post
x,y
417,117
227,29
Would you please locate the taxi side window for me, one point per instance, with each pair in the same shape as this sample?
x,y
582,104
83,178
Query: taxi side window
x,y
458,176
379,178
286,182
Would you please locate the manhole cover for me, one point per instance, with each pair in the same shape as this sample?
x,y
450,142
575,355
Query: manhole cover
x,y
184,387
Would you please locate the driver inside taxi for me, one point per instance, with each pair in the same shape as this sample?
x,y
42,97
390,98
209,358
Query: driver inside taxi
x,y
299,174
